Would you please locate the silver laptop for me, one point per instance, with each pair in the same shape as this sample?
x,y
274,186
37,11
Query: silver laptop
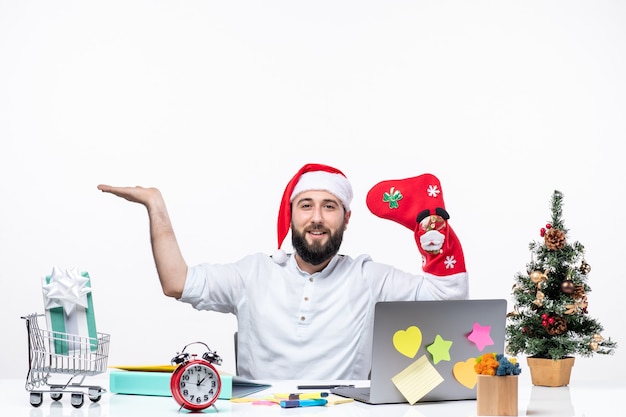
x,y
461,330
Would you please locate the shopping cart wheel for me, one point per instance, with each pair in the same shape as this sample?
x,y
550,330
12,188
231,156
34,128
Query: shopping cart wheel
x,y
77,399
56,396
95,393
36,398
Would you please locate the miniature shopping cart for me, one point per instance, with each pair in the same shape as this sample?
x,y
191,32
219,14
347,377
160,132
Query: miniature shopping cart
x,y
68,357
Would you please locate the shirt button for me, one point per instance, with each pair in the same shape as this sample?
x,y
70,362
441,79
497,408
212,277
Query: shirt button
x,y
306,298
302,318
311,279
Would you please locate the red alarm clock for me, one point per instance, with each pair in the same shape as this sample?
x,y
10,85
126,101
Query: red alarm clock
x,y
195,383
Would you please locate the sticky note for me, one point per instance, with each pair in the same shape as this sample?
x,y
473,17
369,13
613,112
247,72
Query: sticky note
x,y
481,336
465,374
417,380
337,399
408,341
440,349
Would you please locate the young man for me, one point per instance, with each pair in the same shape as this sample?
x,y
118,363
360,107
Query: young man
x,y
309,315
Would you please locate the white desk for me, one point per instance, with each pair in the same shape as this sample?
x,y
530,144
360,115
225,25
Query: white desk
x,y
587,399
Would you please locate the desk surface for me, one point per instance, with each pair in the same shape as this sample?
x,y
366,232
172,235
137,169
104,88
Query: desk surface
x,y
588,400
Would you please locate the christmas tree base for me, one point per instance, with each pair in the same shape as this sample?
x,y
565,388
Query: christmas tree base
x,y
550,372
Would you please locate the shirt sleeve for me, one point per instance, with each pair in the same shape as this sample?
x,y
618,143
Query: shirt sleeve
x,y
450,287
391,284
212,287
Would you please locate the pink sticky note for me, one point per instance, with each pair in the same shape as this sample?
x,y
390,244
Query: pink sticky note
x,y
480,336
264,402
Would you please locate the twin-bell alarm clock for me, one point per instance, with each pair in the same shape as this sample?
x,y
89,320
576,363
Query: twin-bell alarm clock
x,y
195,383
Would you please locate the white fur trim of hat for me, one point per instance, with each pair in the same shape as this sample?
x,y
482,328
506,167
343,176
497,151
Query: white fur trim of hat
x,y
336,184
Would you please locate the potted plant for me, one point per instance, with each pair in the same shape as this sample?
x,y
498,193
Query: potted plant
x,y
550,320
496,390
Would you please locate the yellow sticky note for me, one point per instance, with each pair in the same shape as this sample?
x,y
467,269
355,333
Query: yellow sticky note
x,y
408,341
333,399
417,380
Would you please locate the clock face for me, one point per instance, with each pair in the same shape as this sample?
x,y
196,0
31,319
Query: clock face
x,y
196,385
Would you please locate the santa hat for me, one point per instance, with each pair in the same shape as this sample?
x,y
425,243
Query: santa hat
x,y
409,201
310,177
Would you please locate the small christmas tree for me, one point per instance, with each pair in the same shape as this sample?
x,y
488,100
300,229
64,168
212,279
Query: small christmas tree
x,y
550,318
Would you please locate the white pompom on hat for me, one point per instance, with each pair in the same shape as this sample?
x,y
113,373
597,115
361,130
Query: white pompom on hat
x,y
310,177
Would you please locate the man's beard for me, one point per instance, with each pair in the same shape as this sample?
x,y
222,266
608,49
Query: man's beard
x,y
317,252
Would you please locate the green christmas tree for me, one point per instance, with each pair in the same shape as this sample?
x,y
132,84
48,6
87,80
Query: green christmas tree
x,y
550,318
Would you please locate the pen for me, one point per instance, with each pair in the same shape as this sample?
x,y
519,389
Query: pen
x,y
303,403
324,386
302,396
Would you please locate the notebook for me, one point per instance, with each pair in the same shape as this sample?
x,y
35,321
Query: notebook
x,y
425,351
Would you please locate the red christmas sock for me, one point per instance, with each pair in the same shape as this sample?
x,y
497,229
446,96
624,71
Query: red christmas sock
x,y
417,203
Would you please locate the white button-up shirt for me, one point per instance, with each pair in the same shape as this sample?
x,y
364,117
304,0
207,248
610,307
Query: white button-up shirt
x,y
295,325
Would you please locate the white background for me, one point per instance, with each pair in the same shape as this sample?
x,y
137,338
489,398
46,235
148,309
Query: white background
x,y
219,103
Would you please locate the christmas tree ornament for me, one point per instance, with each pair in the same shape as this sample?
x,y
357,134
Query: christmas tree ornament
x,y
577,307
595,341
579,292
568,287
539,300
515,312
554,239
556,326
585,268
539,277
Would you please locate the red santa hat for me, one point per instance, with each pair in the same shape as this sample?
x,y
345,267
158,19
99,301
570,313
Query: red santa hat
x,y
417,203
310,177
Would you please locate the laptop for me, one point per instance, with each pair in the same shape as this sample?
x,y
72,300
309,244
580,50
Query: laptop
x,y
428,349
